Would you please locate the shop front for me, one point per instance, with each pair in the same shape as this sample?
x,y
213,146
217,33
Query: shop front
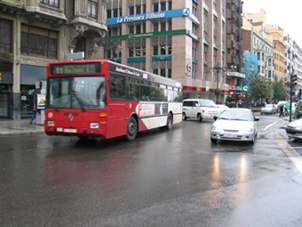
x,y
29,76
6,82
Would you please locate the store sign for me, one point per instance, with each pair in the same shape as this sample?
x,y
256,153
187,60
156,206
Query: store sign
x,y
233,88
152,16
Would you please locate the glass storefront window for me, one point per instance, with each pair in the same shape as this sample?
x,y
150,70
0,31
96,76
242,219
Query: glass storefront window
x,y
27,99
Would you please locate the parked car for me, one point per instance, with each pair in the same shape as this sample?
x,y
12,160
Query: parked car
x,y
294,129
235,124
200,109
269,109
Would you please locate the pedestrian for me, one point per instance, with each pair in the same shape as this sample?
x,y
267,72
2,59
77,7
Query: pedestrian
x,y
34,116
281,111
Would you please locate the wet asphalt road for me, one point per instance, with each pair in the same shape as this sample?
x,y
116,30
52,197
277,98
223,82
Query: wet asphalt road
x,y
163,178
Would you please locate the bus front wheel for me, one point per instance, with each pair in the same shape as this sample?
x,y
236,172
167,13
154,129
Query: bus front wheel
x,y
131,129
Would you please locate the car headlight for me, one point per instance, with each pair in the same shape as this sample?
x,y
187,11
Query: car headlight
x,y
94,125
216,128
247,130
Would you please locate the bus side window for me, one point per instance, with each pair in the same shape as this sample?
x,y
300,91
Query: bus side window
x,y
116,87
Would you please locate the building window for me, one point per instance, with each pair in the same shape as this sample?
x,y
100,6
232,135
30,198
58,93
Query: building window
x,y
163,50
162,26
53,3
92,9
205,53
5,36
205,35
163,6
155,7
109,13
38,42
131,10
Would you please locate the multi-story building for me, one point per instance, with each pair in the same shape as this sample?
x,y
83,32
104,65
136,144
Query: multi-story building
x,y
35,32
235,75
183,40
255,41
293,61
275,36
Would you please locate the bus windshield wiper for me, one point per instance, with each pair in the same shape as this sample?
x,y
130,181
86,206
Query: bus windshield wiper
x,y
79,101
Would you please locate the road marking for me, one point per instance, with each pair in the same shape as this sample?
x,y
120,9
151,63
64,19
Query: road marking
x,y
269,126
294,156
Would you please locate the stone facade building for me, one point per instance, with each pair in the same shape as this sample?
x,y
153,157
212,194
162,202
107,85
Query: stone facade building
x,y
35,32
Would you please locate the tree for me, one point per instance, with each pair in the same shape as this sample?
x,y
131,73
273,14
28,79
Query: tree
x,y
260,87
279,90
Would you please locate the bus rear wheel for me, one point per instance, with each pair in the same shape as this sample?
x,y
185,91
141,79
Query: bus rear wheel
x,y
131,129
169,121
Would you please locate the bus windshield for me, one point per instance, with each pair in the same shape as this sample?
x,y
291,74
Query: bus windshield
x,y
77,92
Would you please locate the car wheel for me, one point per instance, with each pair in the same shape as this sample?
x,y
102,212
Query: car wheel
x,y
184,117
199,117
213,140
131,129
169,121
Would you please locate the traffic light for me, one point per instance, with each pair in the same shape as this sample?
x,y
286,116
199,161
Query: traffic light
x,y
294,77
245,88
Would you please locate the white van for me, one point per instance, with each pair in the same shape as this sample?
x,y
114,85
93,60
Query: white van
x,y
200,109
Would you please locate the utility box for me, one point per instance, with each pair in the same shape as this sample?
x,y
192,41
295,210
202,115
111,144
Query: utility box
x,y
40,101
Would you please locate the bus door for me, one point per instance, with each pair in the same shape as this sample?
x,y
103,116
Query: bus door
x,y
117,123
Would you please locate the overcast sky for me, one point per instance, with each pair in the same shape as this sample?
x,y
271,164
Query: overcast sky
x,y
285,14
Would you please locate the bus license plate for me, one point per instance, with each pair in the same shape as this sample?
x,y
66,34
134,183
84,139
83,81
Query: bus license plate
x,y
70,130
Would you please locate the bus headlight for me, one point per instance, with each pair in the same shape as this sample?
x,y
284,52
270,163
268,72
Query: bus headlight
x,y
51,123
94,125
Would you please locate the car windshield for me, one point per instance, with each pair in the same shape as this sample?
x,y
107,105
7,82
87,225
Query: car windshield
x,y
207,103
238,115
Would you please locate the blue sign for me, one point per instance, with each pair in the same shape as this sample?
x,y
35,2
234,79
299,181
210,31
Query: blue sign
x,y
153,16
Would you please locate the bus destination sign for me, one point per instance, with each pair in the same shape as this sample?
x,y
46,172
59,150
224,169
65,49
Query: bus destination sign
x,y
75,68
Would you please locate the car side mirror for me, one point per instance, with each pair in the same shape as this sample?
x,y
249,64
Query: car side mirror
x,y
215,118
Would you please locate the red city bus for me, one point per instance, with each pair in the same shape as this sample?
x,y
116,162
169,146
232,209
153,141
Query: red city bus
x,y
92,98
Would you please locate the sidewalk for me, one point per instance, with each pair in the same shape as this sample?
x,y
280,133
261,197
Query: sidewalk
x,y
14,127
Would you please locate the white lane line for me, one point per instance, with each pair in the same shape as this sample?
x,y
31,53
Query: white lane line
x,y
294,156
269,126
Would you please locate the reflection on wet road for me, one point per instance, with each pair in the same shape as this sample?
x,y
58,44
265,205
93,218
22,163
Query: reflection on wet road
x,y
163,178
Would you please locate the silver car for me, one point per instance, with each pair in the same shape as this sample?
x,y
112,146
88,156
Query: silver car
x,y
294,129
235,124
269,109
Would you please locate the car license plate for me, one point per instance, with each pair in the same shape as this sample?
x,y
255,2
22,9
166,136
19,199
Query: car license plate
x,y
70,130
230,135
